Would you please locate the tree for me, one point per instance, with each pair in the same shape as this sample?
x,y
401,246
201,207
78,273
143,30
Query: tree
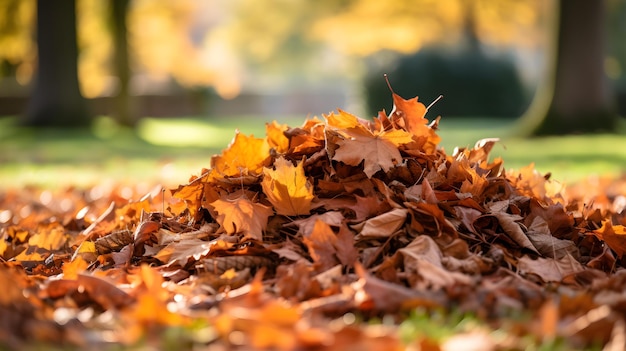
x,y
123,104
576,96
56,100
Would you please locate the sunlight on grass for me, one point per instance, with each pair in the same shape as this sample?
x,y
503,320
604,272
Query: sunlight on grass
x,y
169,150
184,132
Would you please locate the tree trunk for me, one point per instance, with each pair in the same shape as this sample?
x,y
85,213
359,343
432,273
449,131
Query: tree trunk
x,y
123,104
56,100
577,97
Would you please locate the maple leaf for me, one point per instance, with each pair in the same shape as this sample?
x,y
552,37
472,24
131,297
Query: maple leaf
x,y
287,188
240,215
412,113
52,238
547,245
72,269
614,236
246,155
346,251
378,150
321,243
276,136
549,269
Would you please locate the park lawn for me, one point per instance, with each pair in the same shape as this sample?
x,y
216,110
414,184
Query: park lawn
x,y
168,151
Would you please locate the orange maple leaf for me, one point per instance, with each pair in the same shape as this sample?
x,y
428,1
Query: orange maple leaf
x,y
411,114
378,150
276,137
614,236
246,155
411,111
241,215
287,188
321,243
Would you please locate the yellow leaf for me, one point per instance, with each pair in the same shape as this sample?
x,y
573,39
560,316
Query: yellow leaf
x,y
246,155
73,268
276,137
49,239
345,120
287,188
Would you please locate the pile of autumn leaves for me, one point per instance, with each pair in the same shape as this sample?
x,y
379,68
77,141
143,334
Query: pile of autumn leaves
x,y
338,216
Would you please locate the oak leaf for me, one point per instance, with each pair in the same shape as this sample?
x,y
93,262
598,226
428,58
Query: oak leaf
x,y
287,188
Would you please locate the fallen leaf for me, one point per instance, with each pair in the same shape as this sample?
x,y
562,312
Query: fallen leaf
x,y
382,225
549,269
246,155
378,151
423,259
182,252
375,294
287,188
614,236
321,243
511,227
240,215
546,244
276,138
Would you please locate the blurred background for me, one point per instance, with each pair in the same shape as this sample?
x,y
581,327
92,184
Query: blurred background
x,y
188,72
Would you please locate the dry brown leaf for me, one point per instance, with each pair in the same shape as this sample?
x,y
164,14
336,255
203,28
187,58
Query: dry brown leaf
x,y
546,244
423,258
376,294
383,225
511,227
306,225
182,252
549,269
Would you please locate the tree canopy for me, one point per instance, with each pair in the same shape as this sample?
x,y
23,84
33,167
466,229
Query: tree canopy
x,y
226,43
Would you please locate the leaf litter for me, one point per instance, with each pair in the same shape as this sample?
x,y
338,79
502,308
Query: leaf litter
x,y
292,241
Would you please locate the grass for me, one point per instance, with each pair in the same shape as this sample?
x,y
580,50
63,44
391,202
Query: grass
x,y
170,150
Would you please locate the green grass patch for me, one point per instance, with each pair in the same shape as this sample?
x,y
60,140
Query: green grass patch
x,y
170,150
